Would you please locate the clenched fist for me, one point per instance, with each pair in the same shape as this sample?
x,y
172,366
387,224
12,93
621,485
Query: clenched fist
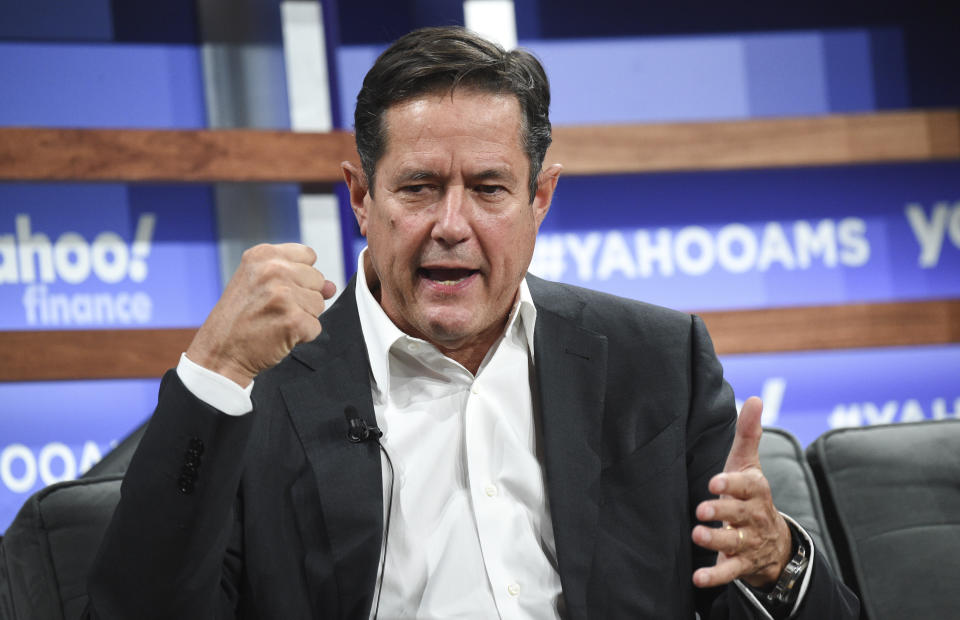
x,y
270,305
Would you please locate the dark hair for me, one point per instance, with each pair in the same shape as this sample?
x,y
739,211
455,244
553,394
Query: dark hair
x,y
445,58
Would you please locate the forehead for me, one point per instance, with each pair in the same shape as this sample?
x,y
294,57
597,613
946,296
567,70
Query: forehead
x,y
459,125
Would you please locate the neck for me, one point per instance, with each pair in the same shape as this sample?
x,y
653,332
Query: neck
x,y
471,354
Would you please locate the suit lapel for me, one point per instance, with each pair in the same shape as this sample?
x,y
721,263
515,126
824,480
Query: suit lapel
x,y
571,367
348,474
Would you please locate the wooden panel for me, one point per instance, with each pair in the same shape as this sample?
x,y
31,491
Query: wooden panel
x,y
94,354
835,327
172,155
826,140
253,155
148,353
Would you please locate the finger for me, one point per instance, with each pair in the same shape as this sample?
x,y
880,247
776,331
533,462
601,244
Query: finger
x,y
726,570
305,276
309,277
293,252
742,485
319,289
329,289
745,451
306,329
727,540
297,252
310,301
728,510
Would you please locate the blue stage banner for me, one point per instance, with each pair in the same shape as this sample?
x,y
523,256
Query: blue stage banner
x,y
54,431
101,85
700,77
759,238
810,393
106,256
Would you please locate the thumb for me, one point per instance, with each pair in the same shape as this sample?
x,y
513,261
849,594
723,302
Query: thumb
x,y
746,443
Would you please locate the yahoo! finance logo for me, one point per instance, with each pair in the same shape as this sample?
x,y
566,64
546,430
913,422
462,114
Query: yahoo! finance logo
x,y
66,282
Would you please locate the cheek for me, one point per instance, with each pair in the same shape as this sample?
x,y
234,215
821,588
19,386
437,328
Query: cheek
x,y
512,247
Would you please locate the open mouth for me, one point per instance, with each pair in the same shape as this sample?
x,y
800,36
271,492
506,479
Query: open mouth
x,y
447,277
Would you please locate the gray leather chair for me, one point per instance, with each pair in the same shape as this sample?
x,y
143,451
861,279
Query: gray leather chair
x,y
793,488
47,551
891,494
50,546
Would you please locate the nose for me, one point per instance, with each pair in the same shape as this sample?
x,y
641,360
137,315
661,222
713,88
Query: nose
x,y
452,225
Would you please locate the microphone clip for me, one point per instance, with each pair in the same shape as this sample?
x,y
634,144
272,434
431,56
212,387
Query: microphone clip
x,y
358,430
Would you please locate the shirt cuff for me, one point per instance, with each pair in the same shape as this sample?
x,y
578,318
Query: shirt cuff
x,y
214,389
803,584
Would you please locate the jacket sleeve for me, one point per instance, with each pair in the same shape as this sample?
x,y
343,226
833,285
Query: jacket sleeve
x,y
710,430
172,549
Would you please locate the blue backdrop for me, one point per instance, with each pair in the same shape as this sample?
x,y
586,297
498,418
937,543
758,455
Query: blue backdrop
x,y
106,255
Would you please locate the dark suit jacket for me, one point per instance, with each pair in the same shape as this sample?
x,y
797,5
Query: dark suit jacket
x,y
280,516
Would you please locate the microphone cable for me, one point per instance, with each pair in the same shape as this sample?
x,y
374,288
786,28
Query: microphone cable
x,y
386,529
359,431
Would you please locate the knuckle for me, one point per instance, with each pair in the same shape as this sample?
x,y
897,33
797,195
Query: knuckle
x,y
762,484
278,299
293,324
307,328
273,269
257,252
743,512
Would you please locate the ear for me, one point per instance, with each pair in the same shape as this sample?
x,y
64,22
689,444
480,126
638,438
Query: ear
x,y
357,184
546,185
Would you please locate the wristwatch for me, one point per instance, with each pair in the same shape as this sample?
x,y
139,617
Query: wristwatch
x,y
780,599
784,591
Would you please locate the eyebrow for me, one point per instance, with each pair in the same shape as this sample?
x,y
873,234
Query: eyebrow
x,y
424,174
417,175
495,174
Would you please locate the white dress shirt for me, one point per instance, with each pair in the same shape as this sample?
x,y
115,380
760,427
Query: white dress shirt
x,y
470,533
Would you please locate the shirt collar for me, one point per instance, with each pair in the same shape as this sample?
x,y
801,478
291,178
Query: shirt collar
x,y
380,333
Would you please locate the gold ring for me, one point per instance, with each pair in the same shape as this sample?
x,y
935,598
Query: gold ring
x,y
739,537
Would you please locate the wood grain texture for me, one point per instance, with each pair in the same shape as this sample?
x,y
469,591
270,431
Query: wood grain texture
x,y
31,154
826,140
139,155
90,354
114,354
835,327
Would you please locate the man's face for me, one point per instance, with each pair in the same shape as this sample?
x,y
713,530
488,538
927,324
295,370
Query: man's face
x,y
451,228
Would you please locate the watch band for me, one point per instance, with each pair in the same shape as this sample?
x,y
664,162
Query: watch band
x,y
784,591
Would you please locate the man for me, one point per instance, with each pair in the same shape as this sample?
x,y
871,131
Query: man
x,y
547,451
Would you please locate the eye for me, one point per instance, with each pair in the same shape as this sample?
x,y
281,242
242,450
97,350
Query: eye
x,y
414,189
490,190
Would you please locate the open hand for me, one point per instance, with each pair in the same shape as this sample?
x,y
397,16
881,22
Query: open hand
x,y
754,542
269,306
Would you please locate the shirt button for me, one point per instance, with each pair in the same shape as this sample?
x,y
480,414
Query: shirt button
x,y
490,490
513,589
413,346
475,388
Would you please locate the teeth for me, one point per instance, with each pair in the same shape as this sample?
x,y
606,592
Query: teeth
x,y
451,282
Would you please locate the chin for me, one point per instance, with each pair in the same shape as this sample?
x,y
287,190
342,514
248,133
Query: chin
x,y
450,334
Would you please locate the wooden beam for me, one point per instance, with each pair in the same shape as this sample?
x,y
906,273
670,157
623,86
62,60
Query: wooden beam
x,y
90,354
115,354
835,327
816,141
138,155
33,154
